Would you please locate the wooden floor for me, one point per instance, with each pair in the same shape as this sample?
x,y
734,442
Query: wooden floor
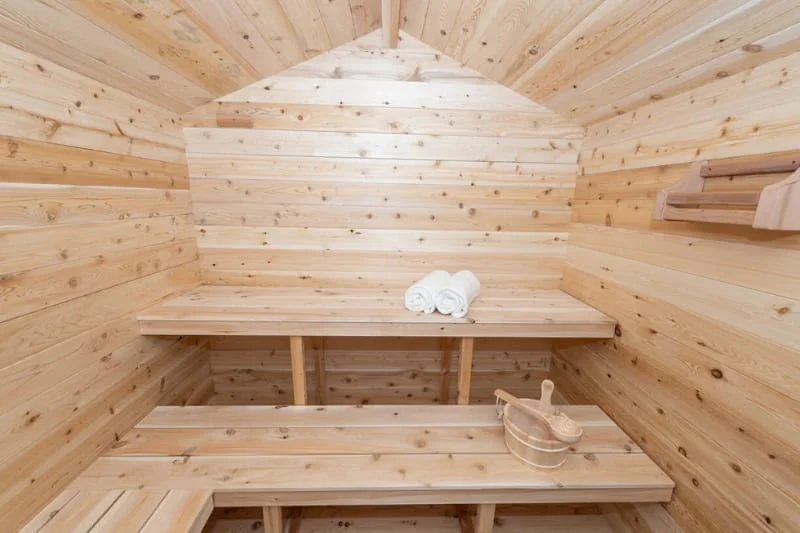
x,y
354,455
232,310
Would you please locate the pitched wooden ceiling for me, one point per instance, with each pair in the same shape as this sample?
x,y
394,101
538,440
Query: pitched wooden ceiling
x,y
182,53
586,59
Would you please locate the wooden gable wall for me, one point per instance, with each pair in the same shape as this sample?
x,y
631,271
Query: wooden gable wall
x,y
703,373
95,224
369,168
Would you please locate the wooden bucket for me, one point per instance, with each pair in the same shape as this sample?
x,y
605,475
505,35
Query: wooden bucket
x,y
536,432
527,438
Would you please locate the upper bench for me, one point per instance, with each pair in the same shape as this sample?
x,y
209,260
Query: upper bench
x,y
279,311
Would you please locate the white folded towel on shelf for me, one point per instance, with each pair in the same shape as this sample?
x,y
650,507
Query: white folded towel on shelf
x,y
455,297
421,296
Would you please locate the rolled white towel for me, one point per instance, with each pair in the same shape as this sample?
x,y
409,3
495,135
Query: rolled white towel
x,y
421,296
455,297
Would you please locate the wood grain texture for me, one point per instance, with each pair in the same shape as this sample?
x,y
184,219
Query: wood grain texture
x,y
588,60
179,54
281,311
361,157
701,372
387,370
95,224
387,477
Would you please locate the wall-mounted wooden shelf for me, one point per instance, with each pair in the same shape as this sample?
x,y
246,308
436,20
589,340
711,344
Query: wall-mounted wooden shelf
x,y
776,207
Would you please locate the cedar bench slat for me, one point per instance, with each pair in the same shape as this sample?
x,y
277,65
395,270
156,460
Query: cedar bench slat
x,y
270,457
268,311
122,511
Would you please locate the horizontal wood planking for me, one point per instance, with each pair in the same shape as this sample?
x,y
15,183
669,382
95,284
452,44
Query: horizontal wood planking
x,y
40,79
396,94
395,521
33,205
707,312
442,162
383,171
286,143
281,311
366,119
409,370
28,161
157,439
95,224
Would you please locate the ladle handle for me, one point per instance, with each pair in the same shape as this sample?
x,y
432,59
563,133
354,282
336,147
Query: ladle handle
x,y
552,422
546,403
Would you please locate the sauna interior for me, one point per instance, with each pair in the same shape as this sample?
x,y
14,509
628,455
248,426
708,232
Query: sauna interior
x,y
210,211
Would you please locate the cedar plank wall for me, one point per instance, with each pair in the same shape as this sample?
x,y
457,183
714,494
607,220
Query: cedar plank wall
x,y
704,371
95,224
370,168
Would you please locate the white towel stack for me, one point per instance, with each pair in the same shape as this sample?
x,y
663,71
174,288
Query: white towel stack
x,y
450,295
421,296
455,298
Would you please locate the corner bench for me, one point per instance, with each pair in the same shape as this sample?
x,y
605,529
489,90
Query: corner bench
x,y
271,457
299,312
118,511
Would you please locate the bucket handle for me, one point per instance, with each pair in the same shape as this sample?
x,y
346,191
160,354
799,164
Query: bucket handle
x,y
561,426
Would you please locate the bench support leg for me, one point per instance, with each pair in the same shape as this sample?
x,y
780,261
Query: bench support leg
x,y
273,520
465,369
298,370
485,519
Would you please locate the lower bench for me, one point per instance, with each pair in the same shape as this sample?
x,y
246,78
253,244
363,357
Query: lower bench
x,y
271,457
120,511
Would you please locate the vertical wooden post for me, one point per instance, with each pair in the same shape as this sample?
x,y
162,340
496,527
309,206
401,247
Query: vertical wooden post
x,y
485,520
298,370
319,370
446,346
465,369
273,520
390,21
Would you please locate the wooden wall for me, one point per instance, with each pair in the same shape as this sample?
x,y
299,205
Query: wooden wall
x,y
342,370
703,372
95,224
370,167
367,167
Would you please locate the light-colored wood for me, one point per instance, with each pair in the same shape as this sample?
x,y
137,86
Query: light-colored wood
x,y
358,141
96,224
273,519
484,523
424,519
374,370
721,313
184,511
130,512
560,426
331,472
444,374
390,22
745,199
187,52
228,310
298,355
465,351
775,207
779,205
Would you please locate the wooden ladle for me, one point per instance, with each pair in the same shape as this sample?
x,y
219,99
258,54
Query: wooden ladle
x,y
562,427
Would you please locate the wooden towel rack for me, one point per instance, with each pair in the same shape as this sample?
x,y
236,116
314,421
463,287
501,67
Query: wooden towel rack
x,y
776,207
